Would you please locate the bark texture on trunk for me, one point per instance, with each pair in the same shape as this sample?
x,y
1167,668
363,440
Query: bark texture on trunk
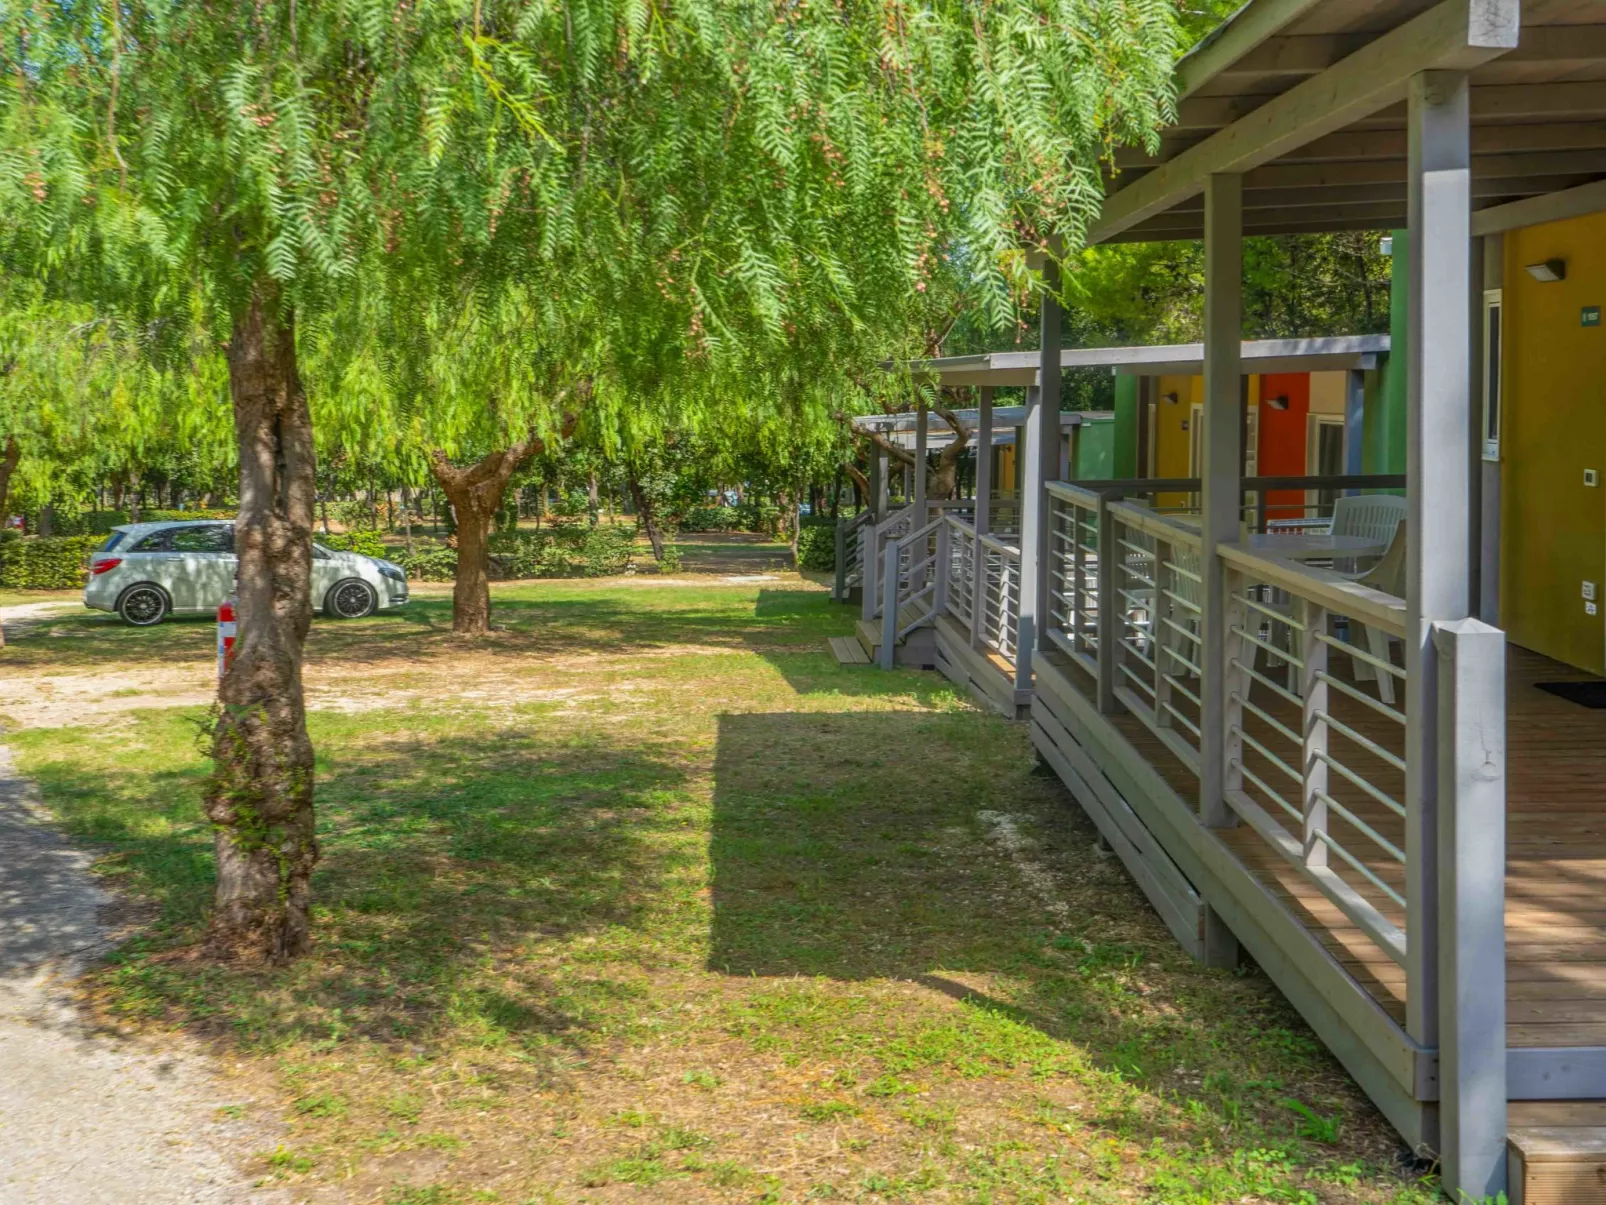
x,y
648,514
260,793
9,459
475,495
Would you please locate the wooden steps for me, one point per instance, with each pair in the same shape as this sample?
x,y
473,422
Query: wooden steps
x,y
848,651
1557,1164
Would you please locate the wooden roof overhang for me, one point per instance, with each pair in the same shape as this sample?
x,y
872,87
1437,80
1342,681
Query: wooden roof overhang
x,y
900,428
1306,98
1337,353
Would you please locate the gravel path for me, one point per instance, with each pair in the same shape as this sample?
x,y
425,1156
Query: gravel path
x,y
87,1118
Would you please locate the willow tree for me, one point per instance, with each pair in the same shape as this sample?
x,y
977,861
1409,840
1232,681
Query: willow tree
x,y
706,177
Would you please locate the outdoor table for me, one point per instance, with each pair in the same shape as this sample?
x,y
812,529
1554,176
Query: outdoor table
x,y
1314,546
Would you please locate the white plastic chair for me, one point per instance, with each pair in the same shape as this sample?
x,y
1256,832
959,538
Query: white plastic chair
x,y
1388,576
1370,516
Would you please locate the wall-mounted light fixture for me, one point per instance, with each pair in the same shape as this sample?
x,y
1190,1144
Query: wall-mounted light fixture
x,y
1385,245
1280,402
1170,397
1549,271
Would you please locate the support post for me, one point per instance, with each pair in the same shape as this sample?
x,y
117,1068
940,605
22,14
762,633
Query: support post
x,y
984,517
1038,460
1488,465
1355,422
883,487
1438,409
1472,935
1220,483
918,473
944,567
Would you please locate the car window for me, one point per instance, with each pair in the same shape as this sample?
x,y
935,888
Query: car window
x,y
154,542
112,541
213,537
320,553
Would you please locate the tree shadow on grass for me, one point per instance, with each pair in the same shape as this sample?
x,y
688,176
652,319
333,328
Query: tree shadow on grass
x,y
848,848
537,620
447,865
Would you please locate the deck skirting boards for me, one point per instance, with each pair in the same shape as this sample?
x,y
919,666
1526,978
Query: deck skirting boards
x,y
963,666
1400,1076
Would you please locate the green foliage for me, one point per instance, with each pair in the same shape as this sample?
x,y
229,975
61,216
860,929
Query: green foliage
x,y
46,562
816,546
363,540
562,550
433,564
710,518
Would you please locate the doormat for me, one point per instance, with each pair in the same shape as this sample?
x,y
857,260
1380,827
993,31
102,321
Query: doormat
x,y
1585,694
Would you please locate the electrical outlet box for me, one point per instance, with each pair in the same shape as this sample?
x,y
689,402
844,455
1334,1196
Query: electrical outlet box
x,y
1589,591
1591,476
1591,608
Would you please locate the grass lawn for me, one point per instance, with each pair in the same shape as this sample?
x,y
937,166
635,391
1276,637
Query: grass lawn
x,y
644,898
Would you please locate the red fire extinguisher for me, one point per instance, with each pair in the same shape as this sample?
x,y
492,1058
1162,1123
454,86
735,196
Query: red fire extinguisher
x,y
225,634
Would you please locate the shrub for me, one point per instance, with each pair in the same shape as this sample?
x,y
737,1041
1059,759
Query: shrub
x,y
46,562
757,516
562,550
184,516
709,518
436,563
369,543
816,546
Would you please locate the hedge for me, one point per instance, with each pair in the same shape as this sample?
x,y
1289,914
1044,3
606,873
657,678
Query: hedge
x,y
367,542
563,550
46,562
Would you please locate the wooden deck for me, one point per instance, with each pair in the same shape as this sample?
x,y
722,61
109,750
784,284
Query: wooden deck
x,y
1556,862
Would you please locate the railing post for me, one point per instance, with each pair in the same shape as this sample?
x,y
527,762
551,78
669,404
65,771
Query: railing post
x,y
889,602
1315,693
1109,613
918,479
943,569
1472,933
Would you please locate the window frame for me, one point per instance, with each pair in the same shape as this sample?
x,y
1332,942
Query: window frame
x,y
1492,356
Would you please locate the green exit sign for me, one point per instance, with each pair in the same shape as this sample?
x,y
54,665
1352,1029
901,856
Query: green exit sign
x,y
1589,316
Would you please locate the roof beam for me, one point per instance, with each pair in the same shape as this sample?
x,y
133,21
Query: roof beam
x,y
1560,45
1344,194
1235,37
1531,211
1390,144
1454,35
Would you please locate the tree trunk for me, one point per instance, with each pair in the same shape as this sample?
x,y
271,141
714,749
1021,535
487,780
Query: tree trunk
x,y
475,495
407,517
8,465
593,500
648,514
260,792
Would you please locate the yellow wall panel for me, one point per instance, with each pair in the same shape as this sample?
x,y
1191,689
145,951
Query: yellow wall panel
x,y
1328,391
1553,526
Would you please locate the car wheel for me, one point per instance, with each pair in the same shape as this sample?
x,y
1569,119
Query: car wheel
x,y
350,599
143,605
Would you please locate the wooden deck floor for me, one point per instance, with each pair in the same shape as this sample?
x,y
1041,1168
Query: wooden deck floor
x,y
1556,860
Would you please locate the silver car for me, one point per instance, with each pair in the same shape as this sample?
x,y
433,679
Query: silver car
x,y
148,571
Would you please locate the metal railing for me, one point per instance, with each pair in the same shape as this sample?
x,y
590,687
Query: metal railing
x,y
849,554
959,599
911,575
1000,594
1315,742
1314,718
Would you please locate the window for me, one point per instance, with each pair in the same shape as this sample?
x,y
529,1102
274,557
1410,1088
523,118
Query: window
x,y
154,542
112,541
1491,374
212,537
